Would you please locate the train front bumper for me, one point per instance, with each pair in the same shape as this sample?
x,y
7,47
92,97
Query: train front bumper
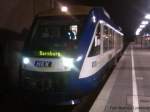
x,y
64,84
55,84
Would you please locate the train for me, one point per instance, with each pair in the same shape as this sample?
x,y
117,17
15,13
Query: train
x,y
68,49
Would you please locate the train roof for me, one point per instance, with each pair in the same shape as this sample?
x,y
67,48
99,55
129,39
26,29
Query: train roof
x,y
75,10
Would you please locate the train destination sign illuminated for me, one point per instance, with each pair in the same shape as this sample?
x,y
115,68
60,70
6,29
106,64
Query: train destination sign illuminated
x,y
50,53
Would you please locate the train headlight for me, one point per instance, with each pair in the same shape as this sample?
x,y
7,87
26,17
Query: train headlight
x,y
26,60
68,62
79,58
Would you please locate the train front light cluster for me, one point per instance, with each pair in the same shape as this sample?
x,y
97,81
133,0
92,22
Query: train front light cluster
x,y
69,62
79,58
26,60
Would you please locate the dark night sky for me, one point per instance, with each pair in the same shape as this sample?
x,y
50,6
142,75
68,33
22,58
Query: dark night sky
x,y
126,13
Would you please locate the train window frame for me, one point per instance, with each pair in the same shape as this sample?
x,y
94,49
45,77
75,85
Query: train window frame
x,y
105,38
108,38
111,38
105,30
96,42
45,21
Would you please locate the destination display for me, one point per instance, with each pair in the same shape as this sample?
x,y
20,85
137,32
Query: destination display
x,y
50,53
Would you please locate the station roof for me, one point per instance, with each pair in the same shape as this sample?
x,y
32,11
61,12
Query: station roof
x,y
72,10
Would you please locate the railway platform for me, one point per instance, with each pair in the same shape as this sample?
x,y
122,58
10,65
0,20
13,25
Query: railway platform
x,y
128,87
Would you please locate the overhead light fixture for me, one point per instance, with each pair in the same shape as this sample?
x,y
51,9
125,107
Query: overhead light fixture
x,y
144,22
142,26
64,8
147,16
138,31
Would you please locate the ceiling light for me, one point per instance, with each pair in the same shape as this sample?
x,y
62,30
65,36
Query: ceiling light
x,y
144,22
138,31
142,26
147,16
64,9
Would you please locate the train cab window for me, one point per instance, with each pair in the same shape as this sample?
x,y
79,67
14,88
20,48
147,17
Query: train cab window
x,y
56,37
95,49
56,33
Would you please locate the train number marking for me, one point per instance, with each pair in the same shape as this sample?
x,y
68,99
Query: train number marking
x,y
42,63
94,64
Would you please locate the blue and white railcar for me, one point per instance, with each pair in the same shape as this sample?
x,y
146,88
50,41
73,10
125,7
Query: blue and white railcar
x,y
66,53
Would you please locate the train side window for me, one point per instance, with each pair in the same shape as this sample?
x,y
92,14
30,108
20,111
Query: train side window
x,y
95,49
108,39
105,39
118,41
98,32
111,39
105,30
98,35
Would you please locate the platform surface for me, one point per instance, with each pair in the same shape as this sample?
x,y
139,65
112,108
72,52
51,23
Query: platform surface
x,y
128,87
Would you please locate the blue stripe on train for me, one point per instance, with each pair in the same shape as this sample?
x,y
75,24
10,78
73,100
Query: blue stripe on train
x,y
88,31
89,83
86,85
86,38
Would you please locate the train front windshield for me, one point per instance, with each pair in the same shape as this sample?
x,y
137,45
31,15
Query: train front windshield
x,y
56,33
